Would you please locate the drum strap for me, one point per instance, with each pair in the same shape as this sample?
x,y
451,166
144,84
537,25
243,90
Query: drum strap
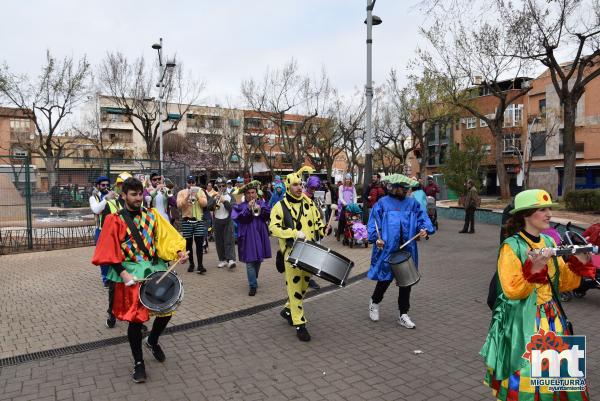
x,y
288,220
135,233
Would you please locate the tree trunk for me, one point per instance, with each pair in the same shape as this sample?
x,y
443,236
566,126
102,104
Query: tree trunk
x,y
500,167
570,154
49,161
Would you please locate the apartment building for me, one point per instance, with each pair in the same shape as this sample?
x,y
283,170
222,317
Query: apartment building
x,y
532,136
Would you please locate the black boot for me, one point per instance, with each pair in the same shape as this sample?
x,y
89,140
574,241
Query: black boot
x,y
302,333
139,372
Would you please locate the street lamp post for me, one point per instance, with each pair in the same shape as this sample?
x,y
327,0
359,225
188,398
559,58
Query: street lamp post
x,y
161,93
370,21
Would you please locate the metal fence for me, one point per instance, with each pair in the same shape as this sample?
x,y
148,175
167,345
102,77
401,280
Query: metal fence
x,y
44,204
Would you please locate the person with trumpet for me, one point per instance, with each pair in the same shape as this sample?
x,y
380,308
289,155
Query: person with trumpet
x,y
157,195
394,220
254,246
223,226
529,282
103,202
135,242
191,202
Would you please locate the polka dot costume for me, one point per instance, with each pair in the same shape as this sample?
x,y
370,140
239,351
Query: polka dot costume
x,y
308,220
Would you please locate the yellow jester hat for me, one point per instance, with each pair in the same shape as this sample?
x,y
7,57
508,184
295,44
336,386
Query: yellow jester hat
x,y
294,178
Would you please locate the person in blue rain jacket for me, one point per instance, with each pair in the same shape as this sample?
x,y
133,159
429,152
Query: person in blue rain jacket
x,y
394,219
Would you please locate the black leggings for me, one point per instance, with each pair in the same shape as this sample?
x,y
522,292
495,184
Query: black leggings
x,y
189,246
135,336
403,295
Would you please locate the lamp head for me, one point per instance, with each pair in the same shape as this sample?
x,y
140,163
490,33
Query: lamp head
x,y
375,19
157,46
171,64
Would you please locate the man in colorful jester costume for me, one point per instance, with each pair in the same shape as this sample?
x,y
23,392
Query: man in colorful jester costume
x,y
130,262
394,220
526,302
303,221
253,235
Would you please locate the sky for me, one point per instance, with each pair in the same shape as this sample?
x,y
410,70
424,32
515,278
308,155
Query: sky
x,y
219,42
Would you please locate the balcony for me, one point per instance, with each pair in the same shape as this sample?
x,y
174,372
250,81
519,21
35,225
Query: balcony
x,y
116,136
19,136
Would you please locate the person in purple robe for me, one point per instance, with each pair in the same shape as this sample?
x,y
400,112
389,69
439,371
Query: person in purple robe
x,y
254,245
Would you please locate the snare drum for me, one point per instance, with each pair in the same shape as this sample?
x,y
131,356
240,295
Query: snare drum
x,y
163,297
403,268
320,261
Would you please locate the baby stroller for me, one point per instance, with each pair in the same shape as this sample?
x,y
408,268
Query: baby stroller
x,y
355,232
432,211
593,233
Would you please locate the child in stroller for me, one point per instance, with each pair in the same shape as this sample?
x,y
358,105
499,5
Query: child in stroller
x,y
355,232
432,211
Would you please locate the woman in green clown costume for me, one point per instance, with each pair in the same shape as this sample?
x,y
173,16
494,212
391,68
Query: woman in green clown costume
x,y
525,302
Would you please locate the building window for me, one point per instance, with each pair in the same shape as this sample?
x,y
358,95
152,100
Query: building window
x,y
114,114
511,142
579,146
513,116
256,157
442,157
431,150
487,149
86,155
252,123
233,123
538,144
471,122
20,124
482,123
542,106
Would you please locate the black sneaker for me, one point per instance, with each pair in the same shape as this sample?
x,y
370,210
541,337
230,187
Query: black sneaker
x,y
252,291
201,270
302,333
157,351
191,268
313,284
111,321
139,372
285,313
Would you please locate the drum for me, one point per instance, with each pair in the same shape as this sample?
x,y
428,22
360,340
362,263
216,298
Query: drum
x,y
403,268
320,261
163,297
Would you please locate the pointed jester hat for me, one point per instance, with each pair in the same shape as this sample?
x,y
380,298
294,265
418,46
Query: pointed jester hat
x,y
294,178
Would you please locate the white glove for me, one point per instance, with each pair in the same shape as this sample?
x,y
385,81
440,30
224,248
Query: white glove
x,y
300,235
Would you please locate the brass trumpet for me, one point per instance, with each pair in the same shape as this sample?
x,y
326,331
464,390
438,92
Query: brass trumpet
x,y
192,194
255,207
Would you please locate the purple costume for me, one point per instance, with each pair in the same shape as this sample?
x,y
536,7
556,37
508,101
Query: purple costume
x,y
253,234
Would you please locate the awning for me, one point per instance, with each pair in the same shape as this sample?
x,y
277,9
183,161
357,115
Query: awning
x,y
259,167
580,165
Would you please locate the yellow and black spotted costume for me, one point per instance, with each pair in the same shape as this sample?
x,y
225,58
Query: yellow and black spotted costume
x,y
308,220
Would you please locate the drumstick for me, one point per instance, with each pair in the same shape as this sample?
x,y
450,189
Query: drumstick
x,y
168,271
409,241
377,229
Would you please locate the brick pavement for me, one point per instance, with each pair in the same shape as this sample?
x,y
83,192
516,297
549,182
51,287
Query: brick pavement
x,y
350,358
55,299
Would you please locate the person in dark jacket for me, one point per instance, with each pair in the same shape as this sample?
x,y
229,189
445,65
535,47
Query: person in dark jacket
x,y
471,203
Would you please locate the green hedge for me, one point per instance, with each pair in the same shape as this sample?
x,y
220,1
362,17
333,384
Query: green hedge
x,y
583,200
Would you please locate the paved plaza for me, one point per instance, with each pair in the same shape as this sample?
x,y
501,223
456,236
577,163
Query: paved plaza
x,y
53,299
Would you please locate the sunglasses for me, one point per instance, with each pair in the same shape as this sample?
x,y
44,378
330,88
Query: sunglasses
x,y
155,179
103,185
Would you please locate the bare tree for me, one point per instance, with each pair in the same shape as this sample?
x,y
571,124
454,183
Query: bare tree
x,y
280,93
543,31
60,88
349,114
130,85
479,50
